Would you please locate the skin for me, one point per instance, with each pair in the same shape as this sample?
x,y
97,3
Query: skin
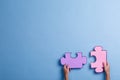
x,y
66,71
106,69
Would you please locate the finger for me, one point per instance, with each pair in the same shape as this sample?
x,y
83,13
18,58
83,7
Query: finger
x,y
104,64
107,63
65,66
69,69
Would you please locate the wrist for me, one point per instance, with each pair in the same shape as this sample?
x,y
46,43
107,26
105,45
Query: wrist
x,y
66,76
107,73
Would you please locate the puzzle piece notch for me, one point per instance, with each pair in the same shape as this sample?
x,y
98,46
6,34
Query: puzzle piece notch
x,y
74,62
100,55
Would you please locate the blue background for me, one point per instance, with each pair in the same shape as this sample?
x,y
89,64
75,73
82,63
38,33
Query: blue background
x,y
35,34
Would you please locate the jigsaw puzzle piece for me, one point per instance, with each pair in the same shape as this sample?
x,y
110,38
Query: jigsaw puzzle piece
x,y
81,59
100,58
74,62
64,60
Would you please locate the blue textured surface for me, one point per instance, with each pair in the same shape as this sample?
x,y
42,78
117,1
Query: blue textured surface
x,y
34,34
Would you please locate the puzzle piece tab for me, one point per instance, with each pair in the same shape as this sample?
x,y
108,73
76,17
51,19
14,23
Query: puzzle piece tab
x,y
100,58
73,62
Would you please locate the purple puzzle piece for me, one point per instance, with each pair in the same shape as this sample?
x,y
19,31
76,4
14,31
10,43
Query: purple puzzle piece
x,y
74,62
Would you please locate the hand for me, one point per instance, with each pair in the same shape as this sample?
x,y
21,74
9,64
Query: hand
x,y
66,70
107,68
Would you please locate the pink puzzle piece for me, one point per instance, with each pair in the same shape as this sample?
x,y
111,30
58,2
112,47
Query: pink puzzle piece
x,y
100,58
73,62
